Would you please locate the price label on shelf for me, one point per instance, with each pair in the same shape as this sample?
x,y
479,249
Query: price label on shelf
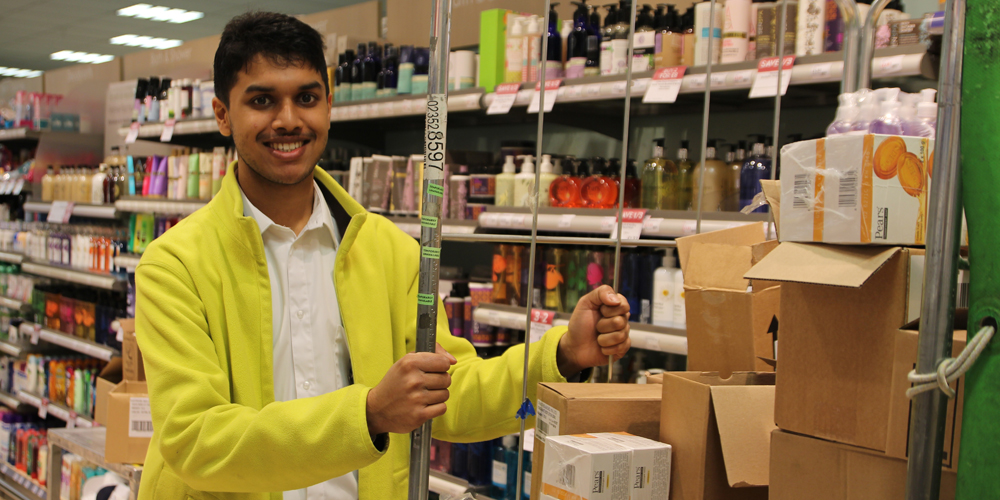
x,y
61,211
888,65
36,332
665,86
820,71
631,224
71,420
766,83
566,220
593,90
551,93
503,99
133,133
744,77
506,220
719,79
541,322
652,224
168,130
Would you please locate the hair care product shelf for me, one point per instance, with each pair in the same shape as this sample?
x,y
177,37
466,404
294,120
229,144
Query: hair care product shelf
x,y
159,206
405,105
78,209
446,484
9,400
89,444
86,278
10,348
411,225
56,410
658,223
70,342
25,487
18,134
649,337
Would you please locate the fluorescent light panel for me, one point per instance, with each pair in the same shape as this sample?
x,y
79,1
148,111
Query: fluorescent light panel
x,y
145,42
19,73
80,57
160,13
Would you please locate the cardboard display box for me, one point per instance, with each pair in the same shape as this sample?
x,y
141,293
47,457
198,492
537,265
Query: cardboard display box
x,y
730,321
808,468
130,424
132,368
842,308
585,408
109,377
856,189
719,430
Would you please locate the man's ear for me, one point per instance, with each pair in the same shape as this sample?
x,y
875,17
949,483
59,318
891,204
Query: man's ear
x,y
222,117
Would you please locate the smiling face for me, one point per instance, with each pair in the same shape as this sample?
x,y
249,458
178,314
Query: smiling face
x,y
279,118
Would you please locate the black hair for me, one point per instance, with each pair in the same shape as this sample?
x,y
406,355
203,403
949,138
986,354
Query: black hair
x,y
281,38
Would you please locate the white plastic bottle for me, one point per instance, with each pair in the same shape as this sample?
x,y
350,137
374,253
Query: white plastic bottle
x,y
546,177
513,63
505,184
531,49
703,16
663,293
524,183
736,31
680,313
97,185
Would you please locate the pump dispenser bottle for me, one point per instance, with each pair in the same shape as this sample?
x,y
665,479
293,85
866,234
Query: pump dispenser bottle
x,y
644,41
524,183
713,178
925,122
847,113
735,165
607,34
555,56
514,62
505,184
659,180
688,38
685,179
668,39
576,46
531,49
565,190
599,190
756,168
619,42
546,178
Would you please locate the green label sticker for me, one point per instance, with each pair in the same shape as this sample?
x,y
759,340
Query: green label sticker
x,y
425,299
428,221
435,189
430,252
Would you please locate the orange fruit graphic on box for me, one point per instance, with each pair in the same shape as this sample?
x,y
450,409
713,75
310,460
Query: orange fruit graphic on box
x,y
911,174
887,157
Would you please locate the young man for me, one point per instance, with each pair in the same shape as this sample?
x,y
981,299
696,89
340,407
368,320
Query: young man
x,y
278,323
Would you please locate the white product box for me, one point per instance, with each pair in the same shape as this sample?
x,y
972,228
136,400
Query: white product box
x,y
856,189
650,464
584,467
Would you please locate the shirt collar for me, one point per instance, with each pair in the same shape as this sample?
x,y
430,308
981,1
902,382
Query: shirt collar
x,y
321,216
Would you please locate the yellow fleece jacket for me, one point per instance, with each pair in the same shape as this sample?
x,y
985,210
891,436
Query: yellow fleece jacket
x,y
203,322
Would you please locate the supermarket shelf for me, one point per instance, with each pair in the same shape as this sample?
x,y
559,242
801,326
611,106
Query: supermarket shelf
x,y
10,348
182,127
25,486
411,225
659,223
649,337
11,257
9,400
17,134
407,105
128,261
79,210
159,205
10,303
70,342
89,444
96,280
446,484
56,410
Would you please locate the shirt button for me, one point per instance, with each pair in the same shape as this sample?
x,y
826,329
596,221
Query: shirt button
x,y
300,314
306,385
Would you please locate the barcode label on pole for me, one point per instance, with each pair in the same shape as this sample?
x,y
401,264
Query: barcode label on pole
x,y
425,299
430,253
428,221
435,135
140,418
435,189
848,195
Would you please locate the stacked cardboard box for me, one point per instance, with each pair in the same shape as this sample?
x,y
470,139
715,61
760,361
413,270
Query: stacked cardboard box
x,y
126,410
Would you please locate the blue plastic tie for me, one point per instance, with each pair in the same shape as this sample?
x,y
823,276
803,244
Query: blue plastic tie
x,y
527,410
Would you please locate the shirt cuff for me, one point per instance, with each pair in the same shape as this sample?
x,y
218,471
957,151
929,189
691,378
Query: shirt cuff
x,y
381,442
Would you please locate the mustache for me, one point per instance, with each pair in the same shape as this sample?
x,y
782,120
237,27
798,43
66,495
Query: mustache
x,y
272,137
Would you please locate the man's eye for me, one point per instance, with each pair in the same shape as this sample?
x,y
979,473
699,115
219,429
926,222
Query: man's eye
x,y
308,98
260,100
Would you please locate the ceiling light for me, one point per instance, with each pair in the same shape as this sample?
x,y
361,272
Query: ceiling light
x,y
160,13
83,57
145,42
19,73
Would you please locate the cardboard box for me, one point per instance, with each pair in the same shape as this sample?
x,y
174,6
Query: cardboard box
x,y
564,409
841,309
856,189
730,324
808,468
720,431
109,377
130,424
409,21
132,367
583,467
649,467
492,47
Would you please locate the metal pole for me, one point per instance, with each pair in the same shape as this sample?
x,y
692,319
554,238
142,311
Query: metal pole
x,y
624,162
534,245
937,311
704,116
777,102
435,140
550,240
867,52
852,30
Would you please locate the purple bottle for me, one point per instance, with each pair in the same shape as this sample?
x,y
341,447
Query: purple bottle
x,y
925,124
847,113
889,123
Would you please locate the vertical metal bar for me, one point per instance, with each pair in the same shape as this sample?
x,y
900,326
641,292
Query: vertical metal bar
x,y
704,116
777,102
435,141
867,51
852,24
624,162
534,242
944,226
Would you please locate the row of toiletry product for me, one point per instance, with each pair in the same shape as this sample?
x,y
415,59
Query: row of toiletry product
x,y
373,71
34,110
490,467
88,248
24,444
159,99
887,111
70,381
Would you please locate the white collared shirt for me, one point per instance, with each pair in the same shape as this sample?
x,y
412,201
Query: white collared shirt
x,y
311,357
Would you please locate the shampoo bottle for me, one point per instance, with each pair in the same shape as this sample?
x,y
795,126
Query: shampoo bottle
x,y
664,288
405,79
555,55
565,190
524,183
847,113
755,168
633,186
659,179
888,121
711,173
607,34
505,184
668,40
688,38
644,41
685,180
576,45
703,16
513,63
619,41
925,122
546,178
735,31
531,49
